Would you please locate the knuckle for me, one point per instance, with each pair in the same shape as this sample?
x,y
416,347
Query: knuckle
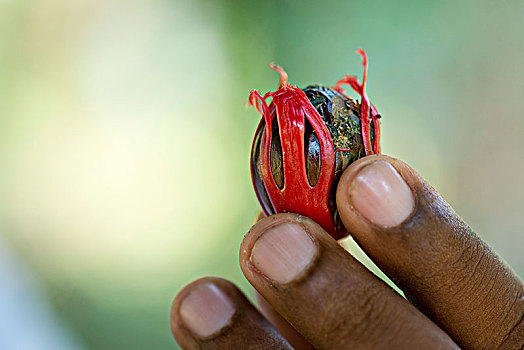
x,y
463,272
513,338
356,320
477,278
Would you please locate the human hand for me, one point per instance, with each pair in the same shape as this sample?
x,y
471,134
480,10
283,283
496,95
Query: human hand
x,y
459,292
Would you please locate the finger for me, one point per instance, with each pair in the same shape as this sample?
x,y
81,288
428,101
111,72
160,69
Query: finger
x,y
295,339
211,313
326,294
414,236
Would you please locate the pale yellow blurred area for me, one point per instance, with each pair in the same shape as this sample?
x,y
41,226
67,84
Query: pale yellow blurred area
x,y
113,175
108,161
125,137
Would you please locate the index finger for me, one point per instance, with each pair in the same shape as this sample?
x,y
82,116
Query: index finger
x,y
442,266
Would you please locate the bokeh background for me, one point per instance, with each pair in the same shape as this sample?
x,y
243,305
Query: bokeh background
x,y
125,137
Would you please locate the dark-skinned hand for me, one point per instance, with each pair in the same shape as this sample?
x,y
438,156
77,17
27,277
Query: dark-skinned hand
x,y
314,294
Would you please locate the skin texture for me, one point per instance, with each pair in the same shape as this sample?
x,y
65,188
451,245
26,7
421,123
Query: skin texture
x,y
459,293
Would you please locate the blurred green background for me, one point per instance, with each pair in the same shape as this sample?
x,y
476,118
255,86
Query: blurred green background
x,y
124,133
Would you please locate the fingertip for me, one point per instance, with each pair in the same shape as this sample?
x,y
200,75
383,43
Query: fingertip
x,y
374,191
279,248
203,309
212,313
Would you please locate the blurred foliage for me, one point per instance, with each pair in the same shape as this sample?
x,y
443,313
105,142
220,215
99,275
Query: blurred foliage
x,y
124,134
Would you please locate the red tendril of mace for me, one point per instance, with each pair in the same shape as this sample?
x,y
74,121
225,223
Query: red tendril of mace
x,y
365,106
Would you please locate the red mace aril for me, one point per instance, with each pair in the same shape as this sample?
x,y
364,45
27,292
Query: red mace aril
x,y
305,140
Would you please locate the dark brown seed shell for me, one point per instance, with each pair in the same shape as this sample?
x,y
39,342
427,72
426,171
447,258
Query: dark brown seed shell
x,y
341,116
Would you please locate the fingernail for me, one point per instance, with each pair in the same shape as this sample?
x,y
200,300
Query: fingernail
x,y
381,195
206,310
283,252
